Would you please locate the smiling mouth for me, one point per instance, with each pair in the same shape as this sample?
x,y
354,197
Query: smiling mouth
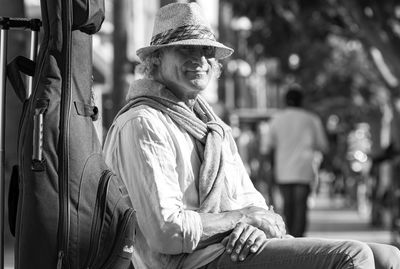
x,y
197,73
197,70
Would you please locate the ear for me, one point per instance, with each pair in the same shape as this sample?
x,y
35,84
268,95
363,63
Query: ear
x,y
157,57
157,61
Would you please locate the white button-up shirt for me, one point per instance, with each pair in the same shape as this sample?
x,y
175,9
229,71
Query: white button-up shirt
x,y
160,165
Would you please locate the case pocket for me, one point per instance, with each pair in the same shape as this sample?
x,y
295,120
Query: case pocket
x,y
123,248
113,226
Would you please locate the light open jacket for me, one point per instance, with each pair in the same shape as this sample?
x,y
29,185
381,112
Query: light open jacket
x,y
160,164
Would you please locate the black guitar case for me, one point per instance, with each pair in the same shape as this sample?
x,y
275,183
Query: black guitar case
x,y
72,211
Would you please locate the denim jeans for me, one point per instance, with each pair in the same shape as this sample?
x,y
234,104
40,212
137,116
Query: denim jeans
x,y
295,208
315,253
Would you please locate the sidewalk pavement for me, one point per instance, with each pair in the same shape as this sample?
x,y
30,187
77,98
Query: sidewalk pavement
x,y
332,218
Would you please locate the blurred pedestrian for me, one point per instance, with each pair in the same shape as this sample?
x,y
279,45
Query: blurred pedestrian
x,y
297,138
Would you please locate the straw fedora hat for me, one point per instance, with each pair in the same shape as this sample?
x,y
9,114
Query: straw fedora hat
x,y
182,24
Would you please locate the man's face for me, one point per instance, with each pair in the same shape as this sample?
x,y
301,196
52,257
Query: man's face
x,y
186,70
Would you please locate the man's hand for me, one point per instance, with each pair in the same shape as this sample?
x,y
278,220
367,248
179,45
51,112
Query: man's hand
x,y
217,225
266,220
243,240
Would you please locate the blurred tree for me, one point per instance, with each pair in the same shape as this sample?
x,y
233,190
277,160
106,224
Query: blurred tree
x,y
327,46
344,52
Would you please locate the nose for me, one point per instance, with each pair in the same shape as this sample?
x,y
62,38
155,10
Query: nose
x,y
199,57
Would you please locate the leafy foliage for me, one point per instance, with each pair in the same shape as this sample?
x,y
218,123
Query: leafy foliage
x,y
332,40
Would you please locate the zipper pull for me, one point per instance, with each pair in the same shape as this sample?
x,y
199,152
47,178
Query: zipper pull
x,y
60,259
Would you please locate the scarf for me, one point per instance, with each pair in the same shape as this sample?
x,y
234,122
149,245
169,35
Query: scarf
x,y
207,129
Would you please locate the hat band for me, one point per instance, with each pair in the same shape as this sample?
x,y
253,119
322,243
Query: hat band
x,y
182,33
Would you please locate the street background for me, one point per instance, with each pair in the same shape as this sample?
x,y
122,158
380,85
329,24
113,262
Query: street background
x,y
344,53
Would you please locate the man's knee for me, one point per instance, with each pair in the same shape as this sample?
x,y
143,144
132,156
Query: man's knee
x,y
357,254
393,258
386,256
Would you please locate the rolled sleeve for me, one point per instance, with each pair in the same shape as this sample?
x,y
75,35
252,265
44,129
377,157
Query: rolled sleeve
x,y
192,229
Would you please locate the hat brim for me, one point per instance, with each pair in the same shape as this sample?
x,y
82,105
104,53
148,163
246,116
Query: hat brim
x,y
221,51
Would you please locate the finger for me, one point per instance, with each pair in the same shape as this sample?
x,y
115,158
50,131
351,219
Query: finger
x,y
258,242
280,224
271,231
249,242
276,227
282,229
225,241
269,225
241,242
279,221
233,237
278,232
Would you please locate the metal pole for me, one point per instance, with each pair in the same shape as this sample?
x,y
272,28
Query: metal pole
x,y
3,62
32,56
120,17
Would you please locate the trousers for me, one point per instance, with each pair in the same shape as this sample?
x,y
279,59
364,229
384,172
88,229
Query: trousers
x,y
295,207
315,253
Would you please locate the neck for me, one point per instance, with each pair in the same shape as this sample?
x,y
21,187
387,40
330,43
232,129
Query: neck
x,y
190,102
189,98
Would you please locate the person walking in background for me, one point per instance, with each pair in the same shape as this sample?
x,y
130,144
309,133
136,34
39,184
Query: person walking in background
x,y
297,138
